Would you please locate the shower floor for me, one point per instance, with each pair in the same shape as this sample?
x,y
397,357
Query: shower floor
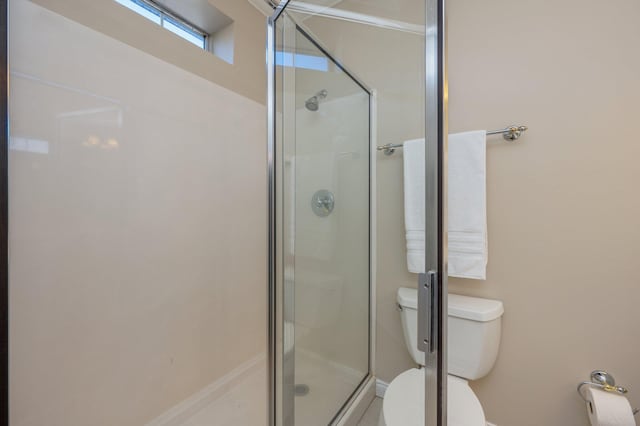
x,y
241,400
330,385
237,400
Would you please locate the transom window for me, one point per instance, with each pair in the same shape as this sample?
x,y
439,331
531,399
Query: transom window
x,y
168,20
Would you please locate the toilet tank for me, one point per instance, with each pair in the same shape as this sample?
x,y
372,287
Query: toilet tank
x,y
474,327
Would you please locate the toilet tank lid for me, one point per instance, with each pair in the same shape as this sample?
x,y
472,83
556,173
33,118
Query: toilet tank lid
x,y
474,308
408,297
465,307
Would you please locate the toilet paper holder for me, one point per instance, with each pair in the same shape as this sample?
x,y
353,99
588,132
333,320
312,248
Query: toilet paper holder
x,y
602,380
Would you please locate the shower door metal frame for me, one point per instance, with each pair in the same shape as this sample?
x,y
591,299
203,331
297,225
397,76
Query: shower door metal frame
x,y
272,219
432,286
433,303
4,218
274,352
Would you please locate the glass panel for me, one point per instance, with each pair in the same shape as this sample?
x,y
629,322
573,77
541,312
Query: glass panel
x,y
183,32
160,17
331,252
143,10
324,197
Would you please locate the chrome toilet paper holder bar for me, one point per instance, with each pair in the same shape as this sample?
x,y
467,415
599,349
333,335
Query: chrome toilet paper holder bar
x,y
602,380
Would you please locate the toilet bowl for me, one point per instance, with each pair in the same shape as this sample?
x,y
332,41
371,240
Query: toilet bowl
x,y
403,402
474,328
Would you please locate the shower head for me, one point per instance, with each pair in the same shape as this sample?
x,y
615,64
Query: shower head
x,y
313,103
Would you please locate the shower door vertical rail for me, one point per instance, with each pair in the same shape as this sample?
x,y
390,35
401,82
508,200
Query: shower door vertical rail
x,y
432,309
280,373
4,219
272,320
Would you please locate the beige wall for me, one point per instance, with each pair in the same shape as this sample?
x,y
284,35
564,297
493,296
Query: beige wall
x,y
137,233
245,76
563,205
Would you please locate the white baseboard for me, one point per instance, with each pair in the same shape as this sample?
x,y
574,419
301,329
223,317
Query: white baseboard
x,y
381,388
490,424
179,413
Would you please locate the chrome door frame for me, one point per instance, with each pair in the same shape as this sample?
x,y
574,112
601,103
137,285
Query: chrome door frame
x,y
271,215
432,309
4,216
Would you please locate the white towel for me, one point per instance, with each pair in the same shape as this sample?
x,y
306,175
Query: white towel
x,y
467,205
468,245
414,198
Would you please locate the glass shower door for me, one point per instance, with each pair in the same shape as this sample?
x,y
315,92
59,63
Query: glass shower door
x,y
322,200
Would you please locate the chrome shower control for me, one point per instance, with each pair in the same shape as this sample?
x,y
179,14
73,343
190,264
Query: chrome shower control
x,y
322,203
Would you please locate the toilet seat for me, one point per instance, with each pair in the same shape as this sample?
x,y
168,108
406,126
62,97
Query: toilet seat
x,y
403,403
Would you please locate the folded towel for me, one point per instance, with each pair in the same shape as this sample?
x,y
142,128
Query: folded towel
x,y
467,205
414,198
467,208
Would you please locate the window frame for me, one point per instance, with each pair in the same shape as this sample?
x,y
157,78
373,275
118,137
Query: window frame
x,y
171,18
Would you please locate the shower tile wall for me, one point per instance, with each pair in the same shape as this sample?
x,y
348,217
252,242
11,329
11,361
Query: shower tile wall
x,y
137,233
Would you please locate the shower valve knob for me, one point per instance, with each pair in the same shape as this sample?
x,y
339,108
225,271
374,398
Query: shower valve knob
x,y
322,203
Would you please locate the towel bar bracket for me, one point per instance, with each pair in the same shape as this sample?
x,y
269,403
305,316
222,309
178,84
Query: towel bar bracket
x,y
511,133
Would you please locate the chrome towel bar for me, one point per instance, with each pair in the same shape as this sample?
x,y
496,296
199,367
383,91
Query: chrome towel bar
x,y
510,133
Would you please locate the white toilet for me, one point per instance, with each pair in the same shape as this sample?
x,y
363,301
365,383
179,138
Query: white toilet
x,y
474,338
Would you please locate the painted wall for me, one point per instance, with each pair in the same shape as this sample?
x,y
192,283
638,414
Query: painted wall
x,y
246,76
563,205
137,232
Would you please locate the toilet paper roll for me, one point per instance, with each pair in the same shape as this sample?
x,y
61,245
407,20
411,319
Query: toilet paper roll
x,y
608,408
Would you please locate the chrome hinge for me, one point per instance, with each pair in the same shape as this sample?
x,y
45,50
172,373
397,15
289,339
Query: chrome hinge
x,y
427,298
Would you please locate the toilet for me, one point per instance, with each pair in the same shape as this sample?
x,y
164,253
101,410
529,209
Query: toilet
x,y
473,341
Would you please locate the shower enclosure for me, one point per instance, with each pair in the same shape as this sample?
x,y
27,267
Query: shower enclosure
x,y
135,282
323,133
